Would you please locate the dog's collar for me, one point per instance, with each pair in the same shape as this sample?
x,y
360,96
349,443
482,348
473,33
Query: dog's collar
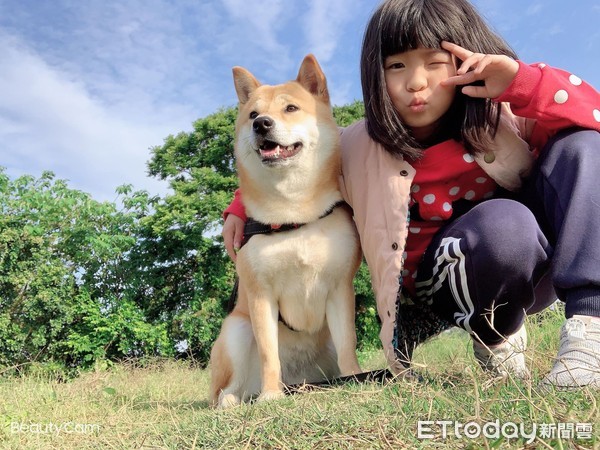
x,y
254,227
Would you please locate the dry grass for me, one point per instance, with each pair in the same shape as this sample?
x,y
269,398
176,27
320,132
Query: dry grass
x,y
164,406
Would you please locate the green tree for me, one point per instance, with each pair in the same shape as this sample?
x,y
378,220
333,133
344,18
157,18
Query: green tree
x,y
185,276
63,282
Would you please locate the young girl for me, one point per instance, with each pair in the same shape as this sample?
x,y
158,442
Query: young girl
x,y
473,181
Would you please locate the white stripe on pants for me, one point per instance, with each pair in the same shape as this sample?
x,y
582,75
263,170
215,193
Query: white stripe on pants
x,y
450,265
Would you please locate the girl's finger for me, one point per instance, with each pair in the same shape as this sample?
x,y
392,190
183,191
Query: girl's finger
x,y
457,80
458,51
471,63
475,91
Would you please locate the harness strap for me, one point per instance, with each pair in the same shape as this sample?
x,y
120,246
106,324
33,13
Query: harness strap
x,y
254,227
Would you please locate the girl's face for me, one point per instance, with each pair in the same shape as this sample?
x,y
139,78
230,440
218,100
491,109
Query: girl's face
x,y
413,84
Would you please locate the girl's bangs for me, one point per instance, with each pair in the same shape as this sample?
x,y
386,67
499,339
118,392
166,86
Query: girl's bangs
x,y
396,37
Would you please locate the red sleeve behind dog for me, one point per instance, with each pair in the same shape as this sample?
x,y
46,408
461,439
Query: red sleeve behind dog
x,y
236,207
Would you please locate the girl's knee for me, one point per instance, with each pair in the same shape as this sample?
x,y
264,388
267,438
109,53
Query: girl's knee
x,y
503,219
504,231
572,146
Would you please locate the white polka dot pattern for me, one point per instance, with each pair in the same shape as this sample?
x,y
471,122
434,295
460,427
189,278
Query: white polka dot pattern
x,y
575,80
561,96
429,199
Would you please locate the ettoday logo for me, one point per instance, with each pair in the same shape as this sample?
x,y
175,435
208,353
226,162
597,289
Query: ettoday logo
x,y
430,429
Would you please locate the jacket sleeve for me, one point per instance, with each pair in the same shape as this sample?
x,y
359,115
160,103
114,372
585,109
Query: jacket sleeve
x,y
236,207
554,99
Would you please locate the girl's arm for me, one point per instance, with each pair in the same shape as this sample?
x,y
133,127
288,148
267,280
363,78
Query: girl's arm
x,y
236,207
554,98
233,228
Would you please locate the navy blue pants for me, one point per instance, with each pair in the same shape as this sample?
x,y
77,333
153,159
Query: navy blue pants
x,y
509,257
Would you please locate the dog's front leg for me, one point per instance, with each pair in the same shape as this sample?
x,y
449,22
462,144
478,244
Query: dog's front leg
x,y
340,318
264,313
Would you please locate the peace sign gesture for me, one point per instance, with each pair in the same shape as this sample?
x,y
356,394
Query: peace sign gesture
x,y
496,71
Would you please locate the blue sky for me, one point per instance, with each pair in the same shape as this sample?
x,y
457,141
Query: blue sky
x,y
86,88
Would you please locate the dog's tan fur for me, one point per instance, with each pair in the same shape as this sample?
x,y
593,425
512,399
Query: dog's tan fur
x,y
303,276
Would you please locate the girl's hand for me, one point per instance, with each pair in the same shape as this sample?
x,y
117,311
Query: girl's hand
x,y
496,71
233,232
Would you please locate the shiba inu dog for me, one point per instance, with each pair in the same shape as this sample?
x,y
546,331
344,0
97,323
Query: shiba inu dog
x,y
294,317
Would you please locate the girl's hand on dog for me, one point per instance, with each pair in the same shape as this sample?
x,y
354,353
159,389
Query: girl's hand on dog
x,y
233,233
496,71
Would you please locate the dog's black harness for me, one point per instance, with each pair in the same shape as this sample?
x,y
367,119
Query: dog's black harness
x,y
253,227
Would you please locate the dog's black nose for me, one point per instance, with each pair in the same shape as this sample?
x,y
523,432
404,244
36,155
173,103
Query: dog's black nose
x,y
262,125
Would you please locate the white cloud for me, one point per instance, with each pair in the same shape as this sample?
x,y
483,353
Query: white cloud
x,y
260,24
534,9
257,35
323,25
51,122
89,96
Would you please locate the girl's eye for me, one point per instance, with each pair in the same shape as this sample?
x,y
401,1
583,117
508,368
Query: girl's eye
x,y
396,66
439,60
291,108
253,115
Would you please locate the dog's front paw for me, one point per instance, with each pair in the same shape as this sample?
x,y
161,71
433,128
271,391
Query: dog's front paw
x,y
350,369
266,396
228,401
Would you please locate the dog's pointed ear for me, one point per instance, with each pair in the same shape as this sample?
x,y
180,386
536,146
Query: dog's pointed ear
x,y
312,78
245,83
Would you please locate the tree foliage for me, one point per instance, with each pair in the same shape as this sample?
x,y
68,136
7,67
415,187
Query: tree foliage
x,y
63,281
83,281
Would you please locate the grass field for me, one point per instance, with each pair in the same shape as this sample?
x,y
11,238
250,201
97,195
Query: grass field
x,y
163,405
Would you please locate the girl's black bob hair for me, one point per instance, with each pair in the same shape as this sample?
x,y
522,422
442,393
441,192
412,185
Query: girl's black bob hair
x,y
400,25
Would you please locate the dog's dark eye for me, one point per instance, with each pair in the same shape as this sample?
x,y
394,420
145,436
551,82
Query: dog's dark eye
x,y
291,108
253,115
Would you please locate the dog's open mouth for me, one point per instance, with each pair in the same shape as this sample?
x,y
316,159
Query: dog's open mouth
x,y
272,151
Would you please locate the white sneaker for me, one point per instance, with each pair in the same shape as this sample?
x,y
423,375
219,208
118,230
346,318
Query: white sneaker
x,y
578,361
504,359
